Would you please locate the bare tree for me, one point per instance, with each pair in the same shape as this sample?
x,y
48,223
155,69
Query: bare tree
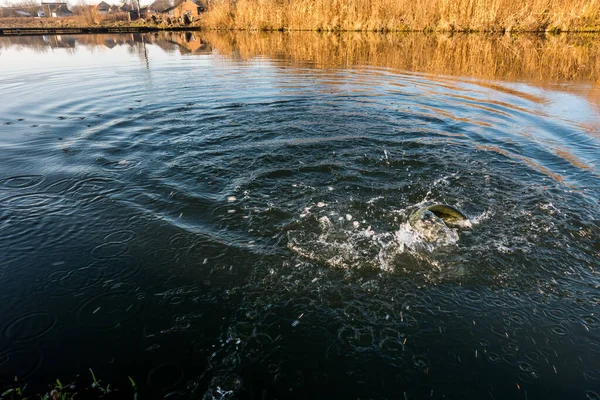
x,y
24,4
80,8
16,7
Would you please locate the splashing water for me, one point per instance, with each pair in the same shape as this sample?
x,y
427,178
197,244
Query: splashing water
x,y
337,241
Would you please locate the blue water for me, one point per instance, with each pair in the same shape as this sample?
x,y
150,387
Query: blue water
x,y
225,216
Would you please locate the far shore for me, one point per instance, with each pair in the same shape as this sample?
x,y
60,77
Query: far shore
x,y
49,29
497,16
430,16
75,25
46,28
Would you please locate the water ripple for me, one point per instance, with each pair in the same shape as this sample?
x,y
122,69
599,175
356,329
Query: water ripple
x,y
254,206
30,326
21,182
109,310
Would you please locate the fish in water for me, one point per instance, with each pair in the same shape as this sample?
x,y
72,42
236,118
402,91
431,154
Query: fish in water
x,y
435,222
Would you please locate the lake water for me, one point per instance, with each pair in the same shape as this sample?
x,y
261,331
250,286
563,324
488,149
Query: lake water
x,y
224,215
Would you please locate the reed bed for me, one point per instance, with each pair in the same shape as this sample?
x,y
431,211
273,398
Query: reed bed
x,y
405,15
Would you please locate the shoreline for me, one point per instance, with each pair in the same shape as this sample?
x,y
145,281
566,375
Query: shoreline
x,y
333,16
82,30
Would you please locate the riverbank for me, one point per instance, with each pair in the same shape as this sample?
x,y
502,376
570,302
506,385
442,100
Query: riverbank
x,y
21,31
350,15
77,25
406,15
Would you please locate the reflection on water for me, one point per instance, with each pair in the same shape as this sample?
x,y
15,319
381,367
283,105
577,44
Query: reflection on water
x,y
524,57
224,215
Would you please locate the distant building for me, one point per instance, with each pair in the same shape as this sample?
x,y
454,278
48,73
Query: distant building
x,y
188,9
103,8
54,10
177,8
49,9
132,10
161,7
126,7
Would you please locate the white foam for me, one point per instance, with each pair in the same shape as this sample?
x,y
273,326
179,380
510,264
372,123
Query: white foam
x,y
340,244
325,222
481,217
465,223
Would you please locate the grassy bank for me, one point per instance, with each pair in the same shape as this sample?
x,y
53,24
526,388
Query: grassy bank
x,y
368,15
86,387
399,15
92,21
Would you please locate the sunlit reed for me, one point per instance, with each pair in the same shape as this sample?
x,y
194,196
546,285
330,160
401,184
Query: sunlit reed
x,y
398,15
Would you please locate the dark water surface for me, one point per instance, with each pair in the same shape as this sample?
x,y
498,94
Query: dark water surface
x,y
224,215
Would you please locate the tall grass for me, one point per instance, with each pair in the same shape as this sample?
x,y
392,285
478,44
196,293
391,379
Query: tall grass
x,y
397,15
89,18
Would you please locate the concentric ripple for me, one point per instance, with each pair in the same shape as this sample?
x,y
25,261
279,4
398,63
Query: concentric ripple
x,y
228,215
21,182
30,326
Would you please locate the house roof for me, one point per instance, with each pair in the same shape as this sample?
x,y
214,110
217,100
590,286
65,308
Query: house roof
x,y
60,8
103,4
126,7
166,5
162,5
196,2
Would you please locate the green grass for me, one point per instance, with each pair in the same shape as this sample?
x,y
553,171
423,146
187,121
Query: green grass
x,y
81,388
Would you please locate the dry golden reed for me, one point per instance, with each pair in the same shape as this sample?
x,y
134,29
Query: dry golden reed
x,y
401,15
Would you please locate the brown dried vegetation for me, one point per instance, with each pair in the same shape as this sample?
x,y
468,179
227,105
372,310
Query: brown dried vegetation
x,y
400,15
